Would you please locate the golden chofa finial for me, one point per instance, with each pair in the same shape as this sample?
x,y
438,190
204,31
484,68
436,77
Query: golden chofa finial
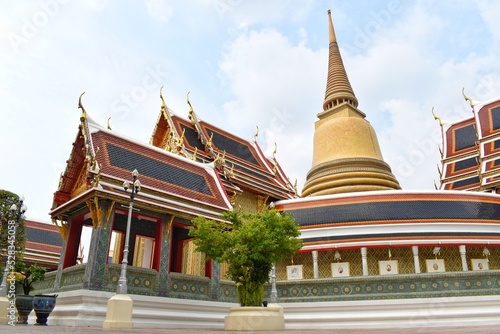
x,y
109,123
189,103
467,98
80,106
437,117
256,133
163,106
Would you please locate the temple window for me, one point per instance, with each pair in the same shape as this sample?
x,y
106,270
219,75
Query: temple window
x,y
184,257
144,247
115,246
78,244
143,241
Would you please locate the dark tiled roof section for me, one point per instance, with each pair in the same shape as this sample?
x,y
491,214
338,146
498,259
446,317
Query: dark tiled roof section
x,y
465,182
252,172
397,210
233,147
123,158
43,236
393,236
191,137
178,176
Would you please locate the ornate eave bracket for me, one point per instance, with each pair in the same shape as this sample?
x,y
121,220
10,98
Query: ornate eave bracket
x,y
98,211
62,227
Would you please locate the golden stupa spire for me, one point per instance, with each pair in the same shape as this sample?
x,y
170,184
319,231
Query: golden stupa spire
x,y
346,153
338,87
333,38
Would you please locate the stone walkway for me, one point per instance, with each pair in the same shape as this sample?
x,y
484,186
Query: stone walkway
x,y
31,329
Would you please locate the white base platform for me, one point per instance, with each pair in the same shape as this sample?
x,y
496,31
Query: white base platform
x,y
255,319
88,308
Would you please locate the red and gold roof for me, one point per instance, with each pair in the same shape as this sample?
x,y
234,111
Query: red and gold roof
x,y
471,149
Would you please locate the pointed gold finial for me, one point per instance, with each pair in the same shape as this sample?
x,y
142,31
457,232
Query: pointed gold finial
x,y
189,103
109,124
439,171
80,106
163,106
332,36
467,98
275,162
435,185
256,133
437,117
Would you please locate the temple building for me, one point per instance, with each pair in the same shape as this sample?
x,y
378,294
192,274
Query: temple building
x,y
43,244
190,168
471,149
368,245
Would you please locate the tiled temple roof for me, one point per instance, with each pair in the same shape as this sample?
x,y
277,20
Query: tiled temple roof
x,y
403,216
471,149
169,181
43,244
241,163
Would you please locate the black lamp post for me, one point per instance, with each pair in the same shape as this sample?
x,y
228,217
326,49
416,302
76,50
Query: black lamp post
x,y
136,187
10,251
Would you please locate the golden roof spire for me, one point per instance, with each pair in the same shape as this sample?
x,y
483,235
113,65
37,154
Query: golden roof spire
x,y
333,38
338,87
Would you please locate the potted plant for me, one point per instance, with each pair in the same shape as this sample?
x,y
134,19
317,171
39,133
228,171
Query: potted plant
x,y
25,277
43,306
250,244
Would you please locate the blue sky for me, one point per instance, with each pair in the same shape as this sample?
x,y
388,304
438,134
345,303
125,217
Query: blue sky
x,y
245,64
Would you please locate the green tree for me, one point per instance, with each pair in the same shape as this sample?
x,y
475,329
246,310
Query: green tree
x,y
26,276
250,244
8,198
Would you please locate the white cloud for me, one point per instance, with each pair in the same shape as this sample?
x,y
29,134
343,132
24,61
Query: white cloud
x,y
159,10
279,87
263,70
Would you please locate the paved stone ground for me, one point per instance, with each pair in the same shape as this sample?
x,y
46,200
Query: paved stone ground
x,y
32,329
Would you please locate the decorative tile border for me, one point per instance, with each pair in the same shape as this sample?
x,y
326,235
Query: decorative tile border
x,y
405,286
448,284
188,287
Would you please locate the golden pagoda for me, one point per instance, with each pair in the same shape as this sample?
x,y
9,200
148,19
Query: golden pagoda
x,y
346,153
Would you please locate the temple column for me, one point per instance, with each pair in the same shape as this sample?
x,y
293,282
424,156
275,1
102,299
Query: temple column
x,y
163,277
315,264
416,260
462,250
364,260
214,280
99,244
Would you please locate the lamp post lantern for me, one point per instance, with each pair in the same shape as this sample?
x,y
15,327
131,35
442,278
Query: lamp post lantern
x,y
136,187
10,251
